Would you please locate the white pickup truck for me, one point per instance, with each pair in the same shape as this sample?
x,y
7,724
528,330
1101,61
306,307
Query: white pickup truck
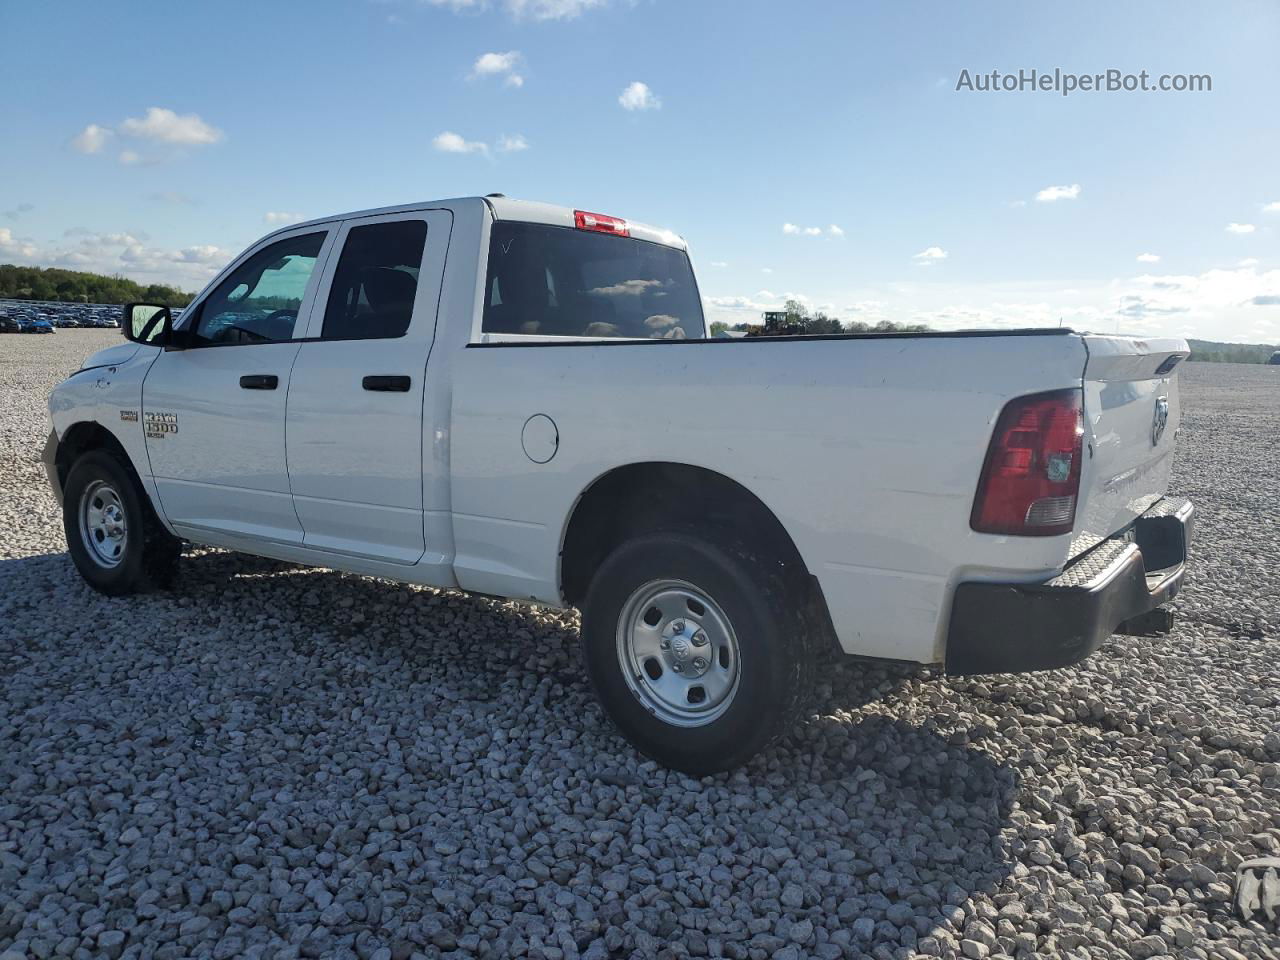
x,y
521,400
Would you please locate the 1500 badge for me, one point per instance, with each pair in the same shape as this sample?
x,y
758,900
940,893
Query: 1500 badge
x,y
160,425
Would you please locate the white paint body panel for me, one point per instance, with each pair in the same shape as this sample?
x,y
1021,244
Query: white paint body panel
x,y
224,469
1128,472
355,456
876,496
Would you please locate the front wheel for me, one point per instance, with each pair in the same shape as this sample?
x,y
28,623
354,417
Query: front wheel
x,y
114,538
696,649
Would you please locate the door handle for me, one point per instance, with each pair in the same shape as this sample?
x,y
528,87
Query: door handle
x,y
386,384
259,381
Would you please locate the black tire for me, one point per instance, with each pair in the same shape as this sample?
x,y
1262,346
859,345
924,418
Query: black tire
x,y
148,555
776,650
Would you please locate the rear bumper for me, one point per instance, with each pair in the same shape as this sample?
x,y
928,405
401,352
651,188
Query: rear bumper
x,y
1019,627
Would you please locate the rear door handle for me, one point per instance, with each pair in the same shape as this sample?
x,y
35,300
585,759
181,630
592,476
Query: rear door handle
x,y
259,381
386,384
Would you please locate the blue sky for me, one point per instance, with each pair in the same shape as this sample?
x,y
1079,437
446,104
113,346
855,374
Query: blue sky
x,y
159,139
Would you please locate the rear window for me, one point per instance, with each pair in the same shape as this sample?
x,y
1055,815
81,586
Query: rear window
x,y
562,282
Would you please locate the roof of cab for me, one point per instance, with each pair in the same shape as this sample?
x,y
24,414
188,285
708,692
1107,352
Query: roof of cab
x,y
501,208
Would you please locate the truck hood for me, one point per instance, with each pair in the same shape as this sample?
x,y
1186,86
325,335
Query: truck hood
x,y
111,356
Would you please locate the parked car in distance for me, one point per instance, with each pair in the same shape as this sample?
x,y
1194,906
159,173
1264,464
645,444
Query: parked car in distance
x,y
9,325
522,400
41,325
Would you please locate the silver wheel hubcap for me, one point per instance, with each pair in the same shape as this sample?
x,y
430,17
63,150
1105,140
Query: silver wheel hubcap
x,y
678,653
102,523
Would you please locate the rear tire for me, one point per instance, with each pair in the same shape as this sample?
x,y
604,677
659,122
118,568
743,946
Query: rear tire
x,y
697,649
114,537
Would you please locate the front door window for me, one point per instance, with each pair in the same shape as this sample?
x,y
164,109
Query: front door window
x,y
259,301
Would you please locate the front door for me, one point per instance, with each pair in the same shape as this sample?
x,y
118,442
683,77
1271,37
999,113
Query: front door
x,y
355,412
214,412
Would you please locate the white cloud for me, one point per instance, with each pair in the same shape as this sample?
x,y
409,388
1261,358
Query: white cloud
x,y
1234,227
766,269
512,144
281,216
718,263
1017,203
525,9
1248,262
168,127
1148,258
930,255
1273,207
867,310
550,9
14,248
123,239
1234,304
91,139
126,253
505,65
450,142
638,96
130,158
796,231
1061,192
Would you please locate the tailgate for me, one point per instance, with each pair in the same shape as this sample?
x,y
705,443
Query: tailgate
x,y
1131,414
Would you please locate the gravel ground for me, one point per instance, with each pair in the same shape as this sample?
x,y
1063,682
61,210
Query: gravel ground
x,y
279,762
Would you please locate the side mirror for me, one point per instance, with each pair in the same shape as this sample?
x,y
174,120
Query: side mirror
x,y
147,323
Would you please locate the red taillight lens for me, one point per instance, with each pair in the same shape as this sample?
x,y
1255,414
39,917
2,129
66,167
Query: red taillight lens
x,y
1031,476
600,223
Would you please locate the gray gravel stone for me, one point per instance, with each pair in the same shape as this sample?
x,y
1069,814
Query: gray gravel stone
x,y
269,761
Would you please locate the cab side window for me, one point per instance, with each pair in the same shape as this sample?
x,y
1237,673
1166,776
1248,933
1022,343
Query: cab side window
x,y
375,282
259,301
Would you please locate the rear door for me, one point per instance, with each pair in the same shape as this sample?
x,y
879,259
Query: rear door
x,y
355,409
213,413
1132,416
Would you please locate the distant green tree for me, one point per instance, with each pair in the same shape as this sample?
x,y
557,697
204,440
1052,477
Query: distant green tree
x,y
718,327
76,286
797,312
820,323
1214,351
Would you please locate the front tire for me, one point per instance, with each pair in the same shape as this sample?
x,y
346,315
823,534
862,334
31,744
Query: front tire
x,y
696,648
114,537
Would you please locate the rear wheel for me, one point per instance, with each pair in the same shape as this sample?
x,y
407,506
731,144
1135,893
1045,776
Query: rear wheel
x,y
696,649
114,537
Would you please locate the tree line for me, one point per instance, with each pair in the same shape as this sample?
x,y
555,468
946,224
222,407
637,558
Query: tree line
x,y
1216,352
799,320
77,286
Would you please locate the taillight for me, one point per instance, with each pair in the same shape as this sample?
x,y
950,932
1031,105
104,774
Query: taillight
x,y
1031,476
600,223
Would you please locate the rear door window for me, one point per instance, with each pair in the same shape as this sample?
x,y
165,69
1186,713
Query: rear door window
x,y
557,281
375,281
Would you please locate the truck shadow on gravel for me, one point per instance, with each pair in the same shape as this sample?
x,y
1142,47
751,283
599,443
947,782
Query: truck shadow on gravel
x,y
870,814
